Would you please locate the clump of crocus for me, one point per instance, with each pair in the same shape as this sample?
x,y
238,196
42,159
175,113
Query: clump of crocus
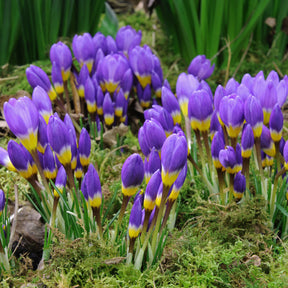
x,y
84,148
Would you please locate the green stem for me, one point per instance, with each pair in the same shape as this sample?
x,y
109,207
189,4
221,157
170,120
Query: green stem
x,y
53,217
221,181
145,225
159,216
167,213
245,171
207,148
96,214
231,187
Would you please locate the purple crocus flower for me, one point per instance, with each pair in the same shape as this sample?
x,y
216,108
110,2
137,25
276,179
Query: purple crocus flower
x,y
200,110
78,172
84,51
231,86
135,220
99,101
214,124
162,116
142,64
49,166
84,188
217,145
154,133
230,160
267,144
5,160
143,142
90,95
285,155
282,91
200,67
2,201
254,115
156,82
120,103
59,139
61,55
84,147
231,112
81,80
247,141
74,151
185,86
132,174
152,164
220,93
110,71
57,78
22,118
171,104
151,191
99,41
173,158
108,110
20,159
127,38
239,185
276,123
178,184
42,102
37,77
42,135
111,45
69,124
60,181
93,187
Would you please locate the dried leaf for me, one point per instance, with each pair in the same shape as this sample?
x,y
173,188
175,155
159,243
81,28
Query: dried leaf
x,y
116,260
271,22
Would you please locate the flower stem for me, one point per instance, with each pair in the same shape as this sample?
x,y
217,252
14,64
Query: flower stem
x,y
231,187
221,181
96,214
67,96
166,215
53,217
145,225
207,148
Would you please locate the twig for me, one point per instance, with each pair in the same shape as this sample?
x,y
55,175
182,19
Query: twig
x,y
13,229
229,61
171,67
278,70
8,78
243,56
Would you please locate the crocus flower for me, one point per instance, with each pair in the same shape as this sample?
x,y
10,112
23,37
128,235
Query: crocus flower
x,y
201,67
49,166
69,124
254,115
37,77
276,123
74,151
154,133
84,51
200,110
239,186
57,78
111,45
59,139
127,82
231,86
90,95
135,220
132,174
214,124
81,80
108,110
152,164
127,38
99,41
78,172
84,147
93,187
247,141
144,96
185,86
173,158
285,155
143,142
142,64
151,191
162,116
2,201
231,112
60,181
119,103
282,91
267,145
156,82
110,71
171,104
61,55
5,160
217,145
20,159
42,102
231,159
84,188
178,184
99,100
22,118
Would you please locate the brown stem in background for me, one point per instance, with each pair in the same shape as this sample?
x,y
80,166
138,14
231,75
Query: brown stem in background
x,y
67,96
97,216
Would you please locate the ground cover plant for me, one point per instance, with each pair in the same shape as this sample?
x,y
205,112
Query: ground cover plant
x,y
217,242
